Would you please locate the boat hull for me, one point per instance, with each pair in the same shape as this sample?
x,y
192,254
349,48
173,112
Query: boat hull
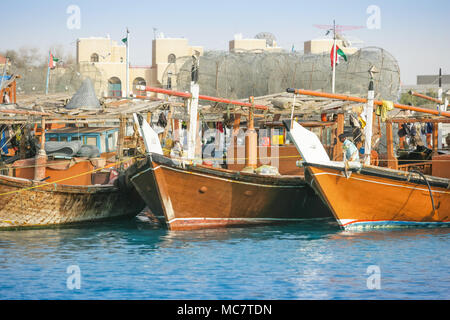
x,y
198,197
377,197
27,203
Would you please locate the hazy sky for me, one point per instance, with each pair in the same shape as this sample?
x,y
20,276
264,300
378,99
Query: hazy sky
x,y
416,33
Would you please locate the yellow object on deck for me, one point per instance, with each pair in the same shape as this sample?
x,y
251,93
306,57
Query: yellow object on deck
x,y
383,109
277,139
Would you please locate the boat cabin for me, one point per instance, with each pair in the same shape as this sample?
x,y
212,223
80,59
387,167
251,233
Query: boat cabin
x,y
104,138
430,161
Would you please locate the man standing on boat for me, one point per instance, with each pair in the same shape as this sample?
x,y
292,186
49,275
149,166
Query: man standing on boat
x,y
350,151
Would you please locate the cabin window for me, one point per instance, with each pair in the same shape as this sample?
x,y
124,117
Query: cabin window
x,y
62,138
76,138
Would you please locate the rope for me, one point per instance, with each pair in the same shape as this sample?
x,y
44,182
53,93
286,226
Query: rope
x,y
429,188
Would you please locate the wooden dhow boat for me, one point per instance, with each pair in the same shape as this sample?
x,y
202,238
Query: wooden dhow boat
x,y
42,192
365,196
195,196
30,203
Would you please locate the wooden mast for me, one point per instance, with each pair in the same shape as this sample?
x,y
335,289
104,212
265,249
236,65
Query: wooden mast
x,y
339,130
368,129
121,138
251,137
41,158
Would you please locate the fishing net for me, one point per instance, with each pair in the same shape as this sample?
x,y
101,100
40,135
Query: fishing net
x,y
63,79
244,74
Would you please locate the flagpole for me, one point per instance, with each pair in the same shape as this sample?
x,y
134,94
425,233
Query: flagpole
x,y
128,65
48,73
333,80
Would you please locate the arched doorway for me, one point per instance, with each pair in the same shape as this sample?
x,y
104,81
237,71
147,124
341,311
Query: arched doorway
x,y
136,83
114,87
94,57
171,58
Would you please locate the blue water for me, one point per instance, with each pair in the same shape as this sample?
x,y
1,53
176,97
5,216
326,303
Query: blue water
x,y
136,260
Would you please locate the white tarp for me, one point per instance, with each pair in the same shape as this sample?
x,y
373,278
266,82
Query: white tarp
x,y
151,140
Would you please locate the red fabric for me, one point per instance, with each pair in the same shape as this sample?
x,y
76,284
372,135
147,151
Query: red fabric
x,y
220,126
50,63
331,55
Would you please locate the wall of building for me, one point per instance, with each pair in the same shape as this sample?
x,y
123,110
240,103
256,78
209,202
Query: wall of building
x,y
163,48
242,45
112,62
319,46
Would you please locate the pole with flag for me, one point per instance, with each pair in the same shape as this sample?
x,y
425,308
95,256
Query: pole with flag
x,y
333,79
50,66
126,40
48,73
336,53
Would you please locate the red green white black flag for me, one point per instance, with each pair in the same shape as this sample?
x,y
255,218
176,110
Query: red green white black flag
x,y
52,61
340,53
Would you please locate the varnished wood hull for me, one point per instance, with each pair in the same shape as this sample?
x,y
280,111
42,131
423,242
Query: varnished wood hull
x,y
378,197
26,203
200,197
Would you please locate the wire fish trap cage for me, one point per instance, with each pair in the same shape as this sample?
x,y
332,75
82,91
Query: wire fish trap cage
x,y
243,74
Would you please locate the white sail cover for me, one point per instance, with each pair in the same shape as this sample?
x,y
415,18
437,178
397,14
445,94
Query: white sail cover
x,y
311,149
308,144
151,140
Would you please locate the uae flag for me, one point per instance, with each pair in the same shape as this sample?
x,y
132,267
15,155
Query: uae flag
x,y
339,53
52,62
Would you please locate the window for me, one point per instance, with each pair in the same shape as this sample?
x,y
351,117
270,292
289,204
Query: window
x,y
94,57
110,142
172,58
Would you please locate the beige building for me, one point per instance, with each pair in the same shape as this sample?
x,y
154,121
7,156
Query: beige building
x,y
243,45
318,46
3,62
104,60
168,55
